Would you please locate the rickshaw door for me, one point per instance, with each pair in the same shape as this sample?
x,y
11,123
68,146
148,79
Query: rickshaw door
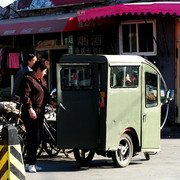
x,y
150,109
78,91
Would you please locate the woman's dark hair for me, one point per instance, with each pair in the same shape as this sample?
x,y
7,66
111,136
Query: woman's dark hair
x,y
42,64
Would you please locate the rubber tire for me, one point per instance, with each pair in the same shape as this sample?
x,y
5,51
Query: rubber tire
x,y
51,149
22,138
83,157
40,149
127,154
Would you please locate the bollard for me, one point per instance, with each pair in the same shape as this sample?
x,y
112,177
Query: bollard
x,y
12,165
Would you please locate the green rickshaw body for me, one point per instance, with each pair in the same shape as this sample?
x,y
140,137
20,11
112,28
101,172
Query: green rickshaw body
x,y
106,96
128,109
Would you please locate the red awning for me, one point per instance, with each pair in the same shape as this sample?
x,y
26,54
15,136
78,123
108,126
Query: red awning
x,y
37,25
163,8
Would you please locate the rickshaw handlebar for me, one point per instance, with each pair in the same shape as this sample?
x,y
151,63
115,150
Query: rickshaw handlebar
x,y
61,105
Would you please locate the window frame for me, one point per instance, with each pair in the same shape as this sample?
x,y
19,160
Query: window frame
x,y
154,52
76,87
121,87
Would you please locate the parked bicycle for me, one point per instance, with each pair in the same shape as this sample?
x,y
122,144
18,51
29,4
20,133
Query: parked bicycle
x,y
48,139
9,114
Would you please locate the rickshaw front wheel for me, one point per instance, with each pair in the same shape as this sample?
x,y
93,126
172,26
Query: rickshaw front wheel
x,y
83,157
123,155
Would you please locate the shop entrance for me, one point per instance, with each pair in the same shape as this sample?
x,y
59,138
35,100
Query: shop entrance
x,y
177,99
52,56
55,56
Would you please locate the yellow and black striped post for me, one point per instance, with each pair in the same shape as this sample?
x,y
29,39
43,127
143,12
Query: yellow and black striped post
x,y
11,161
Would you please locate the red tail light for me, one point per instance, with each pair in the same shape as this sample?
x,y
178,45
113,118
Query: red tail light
x,y
102,99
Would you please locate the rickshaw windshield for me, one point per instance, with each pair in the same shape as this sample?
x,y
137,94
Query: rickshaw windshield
x,y
76,77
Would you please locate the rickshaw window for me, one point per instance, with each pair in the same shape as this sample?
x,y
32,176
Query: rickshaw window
x,y
76,78
151,89
124,76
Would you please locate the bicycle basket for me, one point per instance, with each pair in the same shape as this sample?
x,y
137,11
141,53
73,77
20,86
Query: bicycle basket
x,y
8,107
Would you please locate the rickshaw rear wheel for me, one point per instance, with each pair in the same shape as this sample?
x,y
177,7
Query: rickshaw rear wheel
x,y
83,157
123,155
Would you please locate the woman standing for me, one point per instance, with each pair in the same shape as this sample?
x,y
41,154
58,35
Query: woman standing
x,y
34,96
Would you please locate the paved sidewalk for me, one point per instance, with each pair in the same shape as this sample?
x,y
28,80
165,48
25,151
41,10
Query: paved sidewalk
x,y
165,165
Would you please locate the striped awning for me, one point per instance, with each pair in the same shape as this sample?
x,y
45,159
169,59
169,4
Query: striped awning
x,y
156,8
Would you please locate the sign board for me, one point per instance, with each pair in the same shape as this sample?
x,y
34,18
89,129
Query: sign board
x,y
36,4
70,44
88,44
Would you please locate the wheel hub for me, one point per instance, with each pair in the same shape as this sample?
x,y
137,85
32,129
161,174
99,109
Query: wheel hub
x,y
124,150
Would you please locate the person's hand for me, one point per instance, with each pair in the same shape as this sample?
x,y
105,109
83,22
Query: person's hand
x,y
32,113
54,105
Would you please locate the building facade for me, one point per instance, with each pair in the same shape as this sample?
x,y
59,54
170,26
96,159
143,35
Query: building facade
x,y
53,28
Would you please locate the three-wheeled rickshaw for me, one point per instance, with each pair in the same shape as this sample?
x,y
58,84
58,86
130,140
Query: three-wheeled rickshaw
x,y
113,106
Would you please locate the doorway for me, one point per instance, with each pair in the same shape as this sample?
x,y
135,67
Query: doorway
x,y
177,84
52,55
55,56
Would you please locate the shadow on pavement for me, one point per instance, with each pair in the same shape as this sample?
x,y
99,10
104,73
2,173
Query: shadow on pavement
x,y
64,164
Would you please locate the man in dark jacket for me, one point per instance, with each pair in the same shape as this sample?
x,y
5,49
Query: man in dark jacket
x,y
18,77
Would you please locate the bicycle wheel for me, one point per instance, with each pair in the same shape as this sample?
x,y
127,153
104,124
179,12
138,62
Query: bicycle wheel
x,y
23,142
49,143
50,148
40,149
67,152
22,138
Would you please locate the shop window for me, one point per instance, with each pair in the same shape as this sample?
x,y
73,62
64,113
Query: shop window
x,y
6,71
151,81
50,40
76,78
138,38
124,76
